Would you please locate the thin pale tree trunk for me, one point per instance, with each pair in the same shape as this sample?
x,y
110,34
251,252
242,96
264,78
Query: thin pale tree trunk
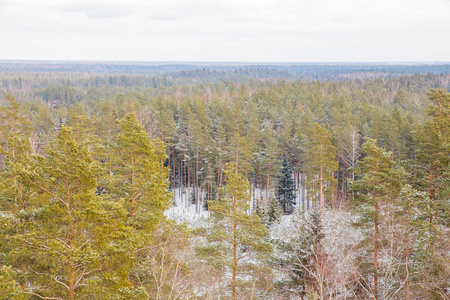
x,y
321,188
197,197
189,186
375,254
406,256
267,187
235,258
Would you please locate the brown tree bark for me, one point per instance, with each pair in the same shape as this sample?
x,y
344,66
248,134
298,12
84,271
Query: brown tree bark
x,y
235,258
406,257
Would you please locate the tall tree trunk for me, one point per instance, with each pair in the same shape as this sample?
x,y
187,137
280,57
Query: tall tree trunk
x,y
189,186
173,171
71,282
72,235
219,180
180,170
321,188
406,256
182,183
431,193
344,183
339,181
194,185
295,186
304,190
259,190
197,197
133,199
254,188
235,258
267,187
375,254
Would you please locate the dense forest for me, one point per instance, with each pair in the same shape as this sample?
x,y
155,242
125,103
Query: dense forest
x,y
231,71
224,182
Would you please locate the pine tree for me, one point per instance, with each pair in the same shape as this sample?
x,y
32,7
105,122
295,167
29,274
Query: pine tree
x,y
440,110
321,164
80,241
139,175
16,196
199,141
432,163
378,184
236,236
270,156
141,181
80,123
410,204
239,153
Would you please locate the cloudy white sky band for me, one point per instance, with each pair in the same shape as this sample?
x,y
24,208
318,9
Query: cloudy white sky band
x,y
197,30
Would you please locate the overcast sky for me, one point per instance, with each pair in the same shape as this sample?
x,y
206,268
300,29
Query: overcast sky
x,y
227,30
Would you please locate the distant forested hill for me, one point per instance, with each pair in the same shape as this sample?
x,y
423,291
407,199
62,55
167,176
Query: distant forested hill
x,y
219,71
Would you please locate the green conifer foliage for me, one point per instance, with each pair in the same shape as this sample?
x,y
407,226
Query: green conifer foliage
x,y
440,110
432,165
9,289
237,237
379,183
139,175
16,196
141,181
79,240
321,164
269,214
286,188
304,255
270,155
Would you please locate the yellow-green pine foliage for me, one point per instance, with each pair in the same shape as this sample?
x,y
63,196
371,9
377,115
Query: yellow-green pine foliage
x,y
321,163
379,184
9,289
15,150
440,110
16,197
237,240
140,177
80,242
433,172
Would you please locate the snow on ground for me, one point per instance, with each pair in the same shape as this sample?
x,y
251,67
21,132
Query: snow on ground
x,y
182,211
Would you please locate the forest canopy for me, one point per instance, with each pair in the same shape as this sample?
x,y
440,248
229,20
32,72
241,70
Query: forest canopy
x,y
124,181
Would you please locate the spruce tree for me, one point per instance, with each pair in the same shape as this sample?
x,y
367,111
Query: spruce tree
x,y
286,188
304,254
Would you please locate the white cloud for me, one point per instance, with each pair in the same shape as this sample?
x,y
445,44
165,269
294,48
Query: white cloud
x,y
206,30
